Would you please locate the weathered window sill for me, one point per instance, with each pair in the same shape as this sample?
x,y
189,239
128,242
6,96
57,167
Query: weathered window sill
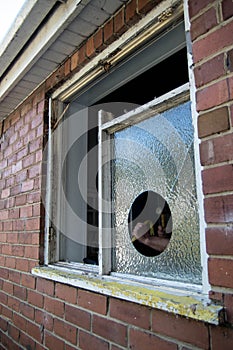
x,y
179,302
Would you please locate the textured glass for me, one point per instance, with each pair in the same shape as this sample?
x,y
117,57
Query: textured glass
x,y
157,155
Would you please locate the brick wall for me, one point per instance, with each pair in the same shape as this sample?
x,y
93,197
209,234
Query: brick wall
x,y
212,26
40,314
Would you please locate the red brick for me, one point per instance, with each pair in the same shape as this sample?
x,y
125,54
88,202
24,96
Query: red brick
x,y
6,249
114,347
10,262
15,190
217,150
3,298
26,211
5,193
88,341
131,313
109,330
213,42
36,209
142,340
24,130
7,287
22,153
108,32
27,186
196,6
13,332
92,301
15,117
4,273
53,306
26,341
230,88
219,241
39,156
180,328
13,138
28,281
220,272
12,238
14,276
22,265
227,9
31,252
78,317
221,338
210,70
35,298
65,331
18,250
26,108
18,225
35,144
44,318
40,100
17,145
27,310
82,55
219,209
51,342
228,303
67,67
90,48
7,226
20,292
29,160
212,96
218,179
32,224
33,197
4,214
145,6
21,176
74,61
98,40
131,15
19,322
45,286
34,331
66,293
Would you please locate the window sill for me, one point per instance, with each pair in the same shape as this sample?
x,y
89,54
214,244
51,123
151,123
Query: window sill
x,y
179,302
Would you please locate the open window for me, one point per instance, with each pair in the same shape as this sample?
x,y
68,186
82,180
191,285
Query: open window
x,y
123,155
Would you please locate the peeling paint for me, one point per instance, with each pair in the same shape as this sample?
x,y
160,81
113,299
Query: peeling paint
x,y
179,302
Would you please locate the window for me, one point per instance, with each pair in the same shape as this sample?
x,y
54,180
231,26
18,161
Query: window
x,y
123,158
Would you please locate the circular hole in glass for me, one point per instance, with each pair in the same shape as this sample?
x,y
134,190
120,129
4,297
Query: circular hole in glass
x,y
150,223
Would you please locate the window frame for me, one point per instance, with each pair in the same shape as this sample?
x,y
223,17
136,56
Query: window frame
x,y
69,90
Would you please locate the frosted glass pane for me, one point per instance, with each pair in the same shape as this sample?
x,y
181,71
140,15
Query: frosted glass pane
x,y
157,155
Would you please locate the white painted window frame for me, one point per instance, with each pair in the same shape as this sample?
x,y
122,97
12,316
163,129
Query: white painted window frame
x,y
70,88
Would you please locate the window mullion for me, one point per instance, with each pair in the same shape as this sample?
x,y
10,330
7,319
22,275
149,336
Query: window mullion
x,y
104,191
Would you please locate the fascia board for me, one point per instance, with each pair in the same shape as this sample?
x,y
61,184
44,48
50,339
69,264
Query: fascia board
x,y
50,31
29,18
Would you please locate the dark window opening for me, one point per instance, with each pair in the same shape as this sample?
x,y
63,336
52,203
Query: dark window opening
x,y
156,81
150,223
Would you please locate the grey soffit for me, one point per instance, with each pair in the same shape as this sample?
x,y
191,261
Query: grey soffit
x,y
83,20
